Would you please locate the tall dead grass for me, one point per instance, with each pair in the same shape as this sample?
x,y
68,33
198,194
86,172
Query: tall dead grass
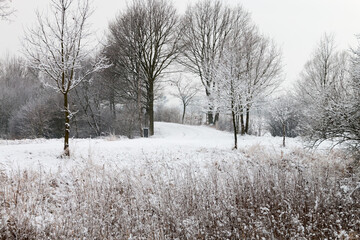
x,y
299,196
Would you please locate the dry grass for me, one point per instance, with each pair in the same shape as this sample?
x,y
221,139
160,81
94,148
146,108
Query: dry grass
x,y
297,197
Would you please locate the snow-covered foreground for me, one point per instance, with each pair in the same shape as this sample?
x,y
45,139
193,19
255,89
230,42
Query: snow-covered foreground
x,y
171,142
185,182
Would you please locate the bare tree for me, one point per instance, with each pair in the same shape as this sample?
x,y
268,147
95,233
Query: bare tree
x,y
326,71
87,98
248,70
125,79
328,92
56,47
186,92
231,88
147,35
5,9
208,25
17,85
159,47
323,83
284,116
262,72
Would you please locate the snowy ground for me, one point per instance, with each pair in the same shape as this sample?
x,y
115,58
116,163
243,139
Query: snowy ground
x,y
186,182
173,143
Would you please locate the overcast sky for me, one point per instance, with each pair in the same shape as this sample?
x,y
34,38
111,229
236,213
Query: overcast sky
x,y
295,25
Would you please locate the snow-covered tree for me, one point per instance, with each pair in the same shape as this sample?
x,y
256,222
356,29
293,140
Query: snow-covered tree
x,y
325,74
56,47
343,115
262,72
207,27
231,90
248,72
328,92
322,89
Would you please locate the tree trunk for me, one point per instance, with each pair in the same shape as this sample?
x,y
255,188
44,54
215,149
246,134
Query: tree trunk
x,y
242,123
183,115
235,129
237,123
140,118
247,120
151,107
139,106
112,104
216,119
210,115
210,119
284,134
67,126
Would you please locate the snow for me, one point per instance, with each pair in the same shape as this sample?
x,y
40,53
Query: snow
x,y
172,143
125,185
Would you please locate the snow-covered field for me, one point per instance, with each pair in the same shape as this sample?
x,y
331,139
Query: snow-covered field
x,y
172,142
186,182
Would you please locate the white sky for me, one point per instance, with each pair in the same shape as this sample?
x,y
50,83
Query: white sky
x,y
295,25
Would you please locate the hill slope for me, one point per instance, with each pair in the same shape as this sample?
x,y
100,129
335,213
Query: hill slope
x,y
181,142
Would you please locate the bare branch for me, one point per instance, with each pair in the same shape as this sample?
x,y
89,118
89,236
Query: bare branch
x,y
5,9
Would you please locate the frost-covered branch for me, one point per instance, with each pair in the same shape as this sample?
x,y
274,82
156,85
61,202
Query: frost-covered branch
x,y
56,47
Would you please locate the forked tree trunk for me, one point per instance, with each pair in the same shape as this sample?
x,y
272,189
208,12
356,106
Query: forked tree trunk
x,y
67,126
183,115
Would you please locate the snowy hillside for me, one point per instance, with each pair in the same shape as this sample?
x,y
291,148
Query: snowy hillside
x,y
175,141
